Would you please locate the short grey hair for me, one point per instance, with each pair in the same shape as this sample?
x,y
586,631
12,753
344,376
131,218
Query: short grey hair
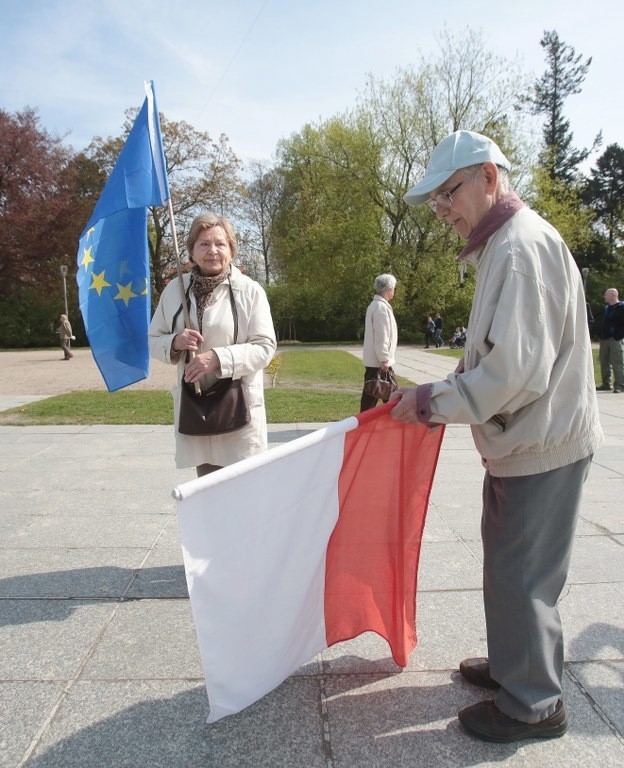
x,y
471,171
385,283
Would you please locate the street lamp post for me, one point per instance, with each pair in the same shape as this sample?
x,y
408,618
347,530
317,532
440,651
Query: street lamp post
x,y
64,276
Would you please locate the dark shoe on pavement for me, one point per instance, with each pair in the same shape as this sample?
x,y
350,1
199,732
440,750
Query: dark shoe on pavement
x,y
602,388
618,391
477,672
485,721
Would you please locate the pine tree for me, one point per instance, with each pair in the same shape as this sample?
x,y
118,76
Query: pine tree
x,y
564,77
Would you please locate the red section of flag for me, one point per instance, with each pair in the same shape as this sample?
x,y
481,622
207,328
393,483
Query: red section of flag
x,y
372,556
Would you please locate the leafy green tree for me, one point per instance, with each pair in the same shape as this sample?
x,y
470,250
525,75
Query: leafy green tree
x,y
559,202
466,87
604,194
328,236
261,200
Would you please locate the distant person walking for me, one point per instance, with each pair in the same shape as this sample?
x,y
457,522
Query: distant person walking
x,y
611,336
439,325
65,332
429,332
380,336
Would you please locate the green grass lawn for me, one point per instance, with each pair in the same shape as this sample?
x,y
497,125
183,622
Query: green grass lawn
x,y
309,386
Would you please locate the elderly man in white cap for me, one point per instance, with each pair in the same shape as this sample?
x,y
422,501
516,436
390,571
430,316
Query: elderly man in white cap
x,y
526,385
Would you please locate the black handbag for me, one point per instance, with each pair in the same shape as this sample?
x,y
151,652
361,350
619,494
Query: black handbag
x,y
221,409
382,386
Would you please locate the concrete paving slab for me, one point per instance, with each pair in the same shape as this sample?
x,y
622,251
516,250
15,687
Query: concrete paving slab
x,y
83,502
24,705
604,681
53,573
161,575
450,627
596,559
593,622
74,531
449,565
48,639
131,647
161,724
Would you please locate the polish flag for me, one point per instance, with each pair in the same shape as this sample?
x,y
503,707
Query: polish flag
x,y
306,545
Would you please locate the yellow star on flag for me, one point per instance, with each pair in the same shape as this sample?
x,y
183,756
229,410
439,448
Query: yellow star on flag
x,y
99,283
87,258
125,293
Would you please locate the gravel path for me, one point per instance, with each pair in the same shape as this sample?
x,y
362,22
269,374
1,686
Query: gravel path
x,y
44,372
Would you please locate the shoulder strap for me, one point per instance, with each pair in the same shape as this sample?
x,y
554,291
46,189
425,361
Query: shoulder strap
x,y
234,311
188,304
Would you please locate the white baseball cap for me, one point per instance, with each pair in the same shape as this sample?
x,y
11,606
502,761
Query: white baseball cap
x,y
457,150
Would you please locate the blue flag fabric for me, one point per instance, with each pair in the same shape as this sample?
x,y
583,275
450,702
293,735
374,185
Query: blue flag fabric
x,y
113,255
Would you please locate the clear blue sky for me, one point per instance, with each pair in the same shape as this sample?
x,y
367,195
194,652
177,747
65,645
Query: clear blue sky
x,y
258,70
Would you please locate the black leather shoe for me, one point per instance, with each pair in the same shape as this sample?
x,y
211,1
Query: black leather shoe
x,y
477,672
485,721
602,388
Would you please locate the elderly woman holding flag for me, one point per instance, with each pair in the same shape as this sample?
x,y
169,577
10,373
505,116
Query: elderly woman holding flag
x,y
230,335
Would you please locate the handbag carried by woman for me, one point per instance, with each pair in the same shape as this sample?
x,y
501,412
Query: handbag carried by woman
x,y
220,409
382,386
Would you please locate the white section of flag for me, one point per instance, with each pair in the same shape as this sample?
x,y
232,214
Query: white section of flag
x,y
254,538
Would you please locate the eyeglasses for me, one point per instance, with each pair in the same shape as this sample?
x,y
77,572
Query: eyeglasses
x,y
443,199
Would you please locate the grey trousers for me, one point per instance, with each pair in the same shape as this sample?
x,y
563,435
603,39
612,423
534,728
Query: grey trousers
x,y
611,356
527,529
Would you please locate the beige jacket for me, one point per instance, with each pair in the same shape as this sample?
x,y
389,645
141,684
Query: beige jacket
x,y
380,334
245,360
528,388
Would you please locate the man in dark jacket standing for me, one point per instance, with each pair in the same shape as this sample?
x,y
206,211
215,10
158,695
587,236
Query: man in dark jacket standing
x,y
611,335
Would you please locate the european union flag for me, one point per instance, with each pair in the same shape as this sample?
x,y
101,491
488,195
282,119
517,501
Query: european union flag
x,y
113,256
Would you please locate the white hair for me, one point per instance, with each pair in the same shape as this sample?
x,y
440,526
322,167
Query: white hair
x,y
385,283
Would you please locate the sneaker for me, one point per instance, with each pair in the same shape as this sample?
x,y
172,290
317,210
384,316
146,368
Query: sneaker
x,y
603,388
485,721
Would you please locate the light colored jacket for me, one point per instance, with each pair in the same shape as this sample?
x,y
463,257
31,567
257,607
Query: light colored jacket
x,y
65,330
528,387
380,334
245,360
